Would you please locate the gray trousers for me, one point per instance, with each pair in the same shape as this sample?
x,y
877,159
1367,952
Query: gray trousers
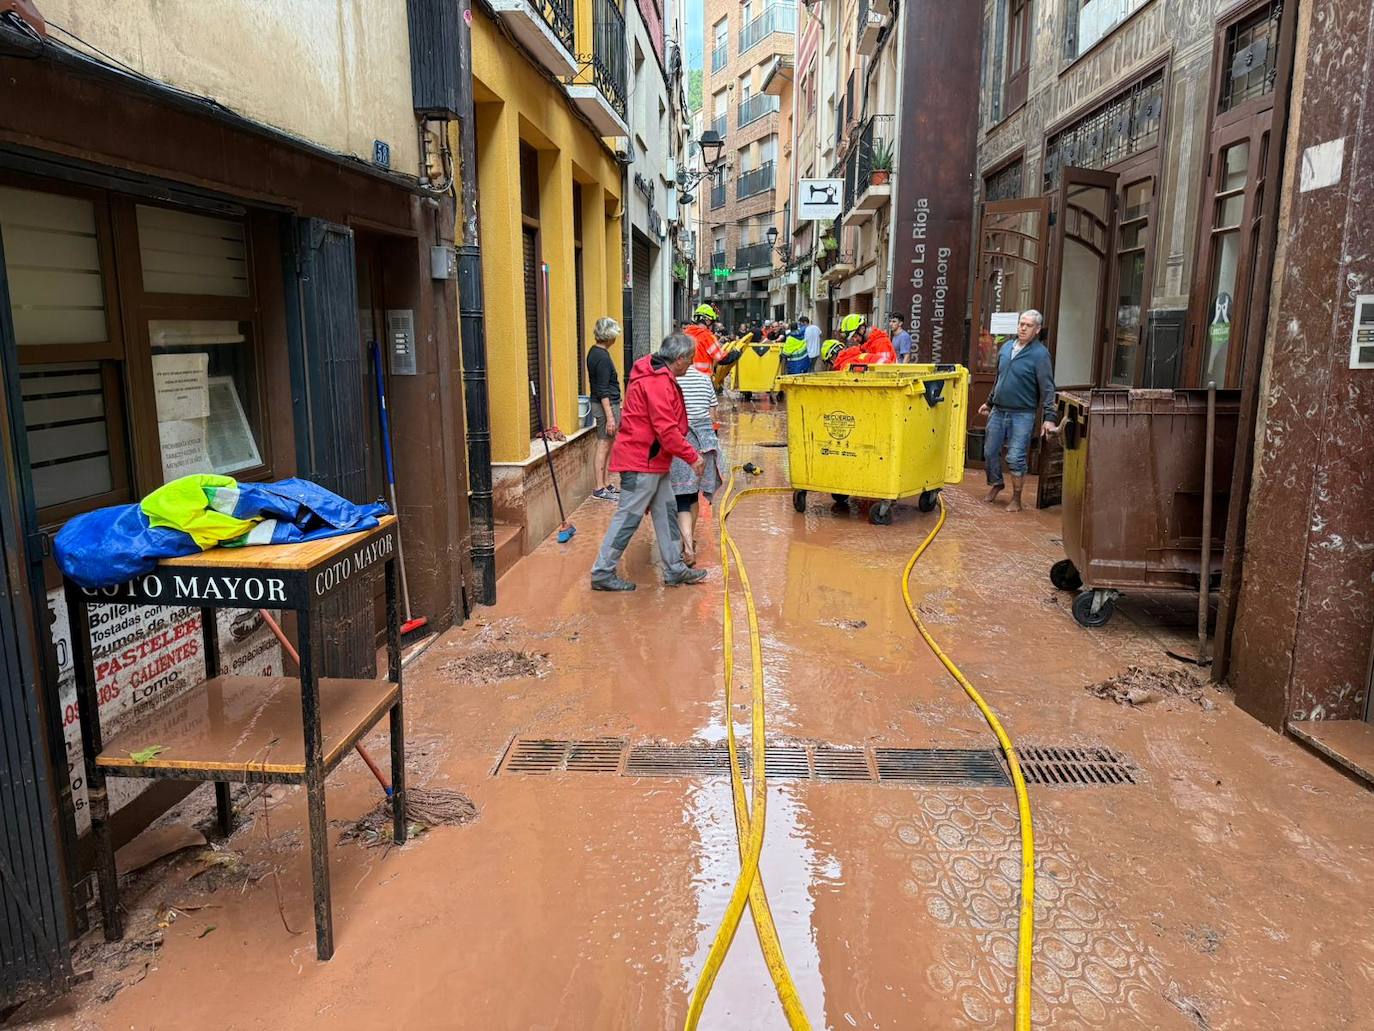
x,y
641,492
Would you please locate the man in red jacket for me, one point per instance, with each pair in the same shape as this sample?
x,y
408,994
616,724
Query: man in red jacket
x,y
653,431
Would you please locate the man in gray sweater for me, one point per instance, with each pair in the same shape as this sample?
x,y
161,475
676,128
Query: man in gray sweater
x,y
1023,393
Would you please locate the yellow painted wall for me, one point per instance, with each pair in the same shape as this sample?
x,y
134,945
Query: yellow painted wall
x,y
516,103
336,72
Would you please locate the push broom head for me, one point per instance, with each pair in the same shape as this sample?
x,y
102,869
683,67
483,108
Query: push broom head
x,y
565,533
411,625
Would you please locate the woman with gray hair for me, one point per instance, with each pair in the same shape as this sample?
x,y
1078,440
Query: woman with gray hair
x,y
604,384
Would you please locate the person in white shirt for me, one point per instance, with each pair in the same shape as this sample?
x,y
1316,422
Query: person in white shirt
x,y
700,396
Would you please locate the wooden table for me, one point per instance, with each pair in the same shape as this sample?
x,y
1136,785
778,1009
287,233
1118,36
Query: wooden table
x,y
274,730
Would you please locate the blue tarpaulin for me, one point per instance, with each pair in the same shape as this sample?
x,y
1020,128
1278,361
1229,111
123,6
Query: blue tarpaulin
x,y
112,545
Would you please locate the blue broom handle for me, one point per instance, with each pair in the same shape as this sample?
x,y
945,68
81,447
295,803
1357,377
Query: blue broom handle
x,y
381,407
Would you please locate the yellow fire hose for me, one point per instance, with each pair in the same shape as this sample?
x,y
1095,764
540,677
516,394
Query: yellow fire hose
x,y
749,826
1026,925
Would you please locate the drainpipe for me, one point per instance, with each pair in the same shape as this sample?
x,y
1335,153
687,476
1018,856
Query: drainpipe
x,y
627,302
473,329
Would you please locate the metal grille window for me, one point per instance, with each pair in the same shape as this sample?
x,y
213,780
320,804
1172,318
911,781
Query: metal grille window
x,y
608,53
755,255
755,181
1004,184
753,108
1251,57
1125,125
718,190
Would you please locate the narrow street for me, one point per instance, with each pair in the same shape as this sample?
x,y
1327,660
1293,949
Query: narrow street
x,y
1226,889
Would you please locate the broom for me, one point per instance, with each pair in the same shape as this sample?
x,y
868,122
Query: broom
x,y
429,807
565,528
412,621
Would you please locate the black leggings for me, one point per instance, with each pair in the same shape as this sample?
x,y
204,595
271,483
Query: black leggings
x,y
686,501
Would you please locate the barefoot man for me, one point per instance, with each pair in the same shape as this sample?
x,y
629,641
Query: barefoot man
x,y
1022,396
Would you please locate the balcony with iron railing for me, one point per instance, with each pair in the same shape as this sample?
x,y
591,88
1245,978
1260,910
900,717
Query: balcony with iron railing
x,y
862,196
717,259
755,181
773,18
719,124
600,90
754,108
720,56
545,28
754,255
869,29
718,194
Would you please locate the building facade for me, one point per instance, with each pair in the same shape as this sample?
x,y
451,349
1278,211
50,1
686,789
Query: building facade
x,y
740,203
1124,152
552,102
656,104
209,306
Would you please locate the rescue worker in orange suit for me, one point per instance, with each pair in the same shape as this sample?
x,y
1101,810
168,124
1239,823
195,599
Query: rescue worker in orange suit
x,y
869,345
709,353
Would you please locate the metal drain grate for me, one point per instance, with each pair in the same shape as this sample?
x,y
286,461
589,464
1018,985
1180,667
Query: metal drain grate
x,y
966,766
841,764
538,756
681,761
1075,766
1045,765
788,761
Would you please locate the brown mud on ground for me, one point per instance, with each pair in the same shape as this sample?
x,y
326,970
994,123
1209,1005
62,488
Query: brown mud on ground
x,y
1141,685
490,667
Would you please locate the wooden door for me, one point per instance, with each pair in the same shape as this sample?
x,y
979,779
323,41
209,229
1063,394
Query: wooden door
x,y
1080,320
1010,279
1234,248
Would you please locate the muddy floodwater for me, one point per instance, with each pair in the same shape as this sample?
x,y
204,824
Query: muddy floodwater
x,y
1226,884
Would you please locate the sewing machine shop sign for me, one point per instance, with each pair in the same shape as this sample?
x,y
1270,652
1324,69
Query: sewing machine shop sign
x,y
819,199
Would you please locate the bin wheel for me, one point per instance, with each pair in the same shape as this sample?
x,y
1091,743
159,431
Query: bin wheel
x,y
881,514
1083,610
1064,575
799,500
748,395
929,501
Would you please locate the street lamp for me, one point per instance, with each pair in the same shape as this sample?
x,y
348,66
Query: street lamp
x,y
772,237
711,145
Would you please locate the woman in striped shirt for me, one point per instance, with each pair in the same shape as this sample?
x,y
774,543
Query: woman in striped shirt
x,y
700,395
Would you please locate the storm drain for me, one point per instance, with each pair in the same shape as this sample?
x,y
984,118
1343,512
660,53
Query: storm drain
x,y
542,755
1046,765
973,766
1075,766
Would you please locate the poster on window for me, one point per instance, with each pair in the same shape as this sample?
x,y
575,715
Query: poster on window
x,y
181,384
146,657
184,448
230,437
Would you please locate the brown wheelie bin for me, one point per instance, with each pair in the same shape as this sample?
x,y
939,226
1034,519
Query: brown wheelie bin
x,y
1134,463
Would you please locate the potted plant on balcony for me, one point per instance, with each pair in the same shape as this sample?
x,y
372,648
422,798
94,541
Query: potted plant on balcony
x,y
880,168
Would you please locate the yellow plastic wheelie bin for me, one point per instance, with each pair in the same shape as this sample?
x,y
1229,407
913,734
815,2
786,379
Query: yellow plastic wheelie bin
x,y
883,431
756,372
